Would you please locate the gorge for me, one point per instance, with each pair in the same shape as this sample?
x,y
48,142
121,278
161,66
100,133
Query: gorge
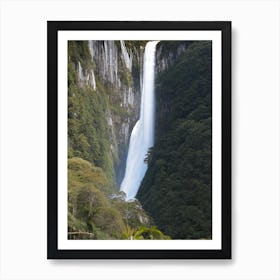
x,y
113,87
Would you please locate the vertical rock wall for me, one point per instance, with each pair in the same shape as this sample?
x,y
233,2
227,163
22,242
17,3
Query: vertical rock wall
x,y
115,70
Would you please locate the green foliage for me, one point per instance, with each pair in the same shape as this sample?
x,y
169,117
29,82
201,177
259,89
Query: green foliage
x,y
87,186
109,220
89,200
131,211
89,209
82,171
88,132
128,232
89,135
91,159
149,233
176,190
93,212
75,224
94,157
78,51
144,233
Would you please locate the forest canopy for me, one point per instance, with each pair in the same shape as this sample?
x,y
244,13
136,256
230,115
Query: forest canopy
x,y
177,188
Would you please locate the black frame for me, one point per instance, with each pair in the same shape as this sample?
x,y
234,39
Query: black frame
x,y
52,56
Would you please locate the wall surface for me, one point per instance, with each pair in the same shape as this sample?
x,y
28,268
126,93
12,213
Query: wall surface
x,y
255,127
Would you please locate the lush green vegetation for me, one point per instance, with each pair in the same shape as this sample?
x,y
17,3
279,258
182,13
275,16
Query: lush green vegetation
x,y
88,133
95,213
176,190
89,136
95,208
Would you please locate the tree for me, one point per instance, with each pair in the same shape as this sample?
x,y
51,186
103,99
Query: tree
x,y
149,156
149,233
110,221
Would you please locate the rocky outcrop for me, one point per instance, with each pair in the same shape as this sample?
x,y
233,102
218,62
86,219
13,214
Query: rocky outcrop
x,y
87,79
115,70
168,53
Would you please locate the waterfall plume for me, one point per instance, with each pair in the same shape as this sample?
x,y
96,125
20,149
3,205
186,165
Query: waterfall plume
x,y
142,135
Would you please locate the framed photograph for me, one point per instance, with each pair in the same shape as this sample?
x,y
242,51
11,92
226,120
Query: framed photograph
x,y
139,140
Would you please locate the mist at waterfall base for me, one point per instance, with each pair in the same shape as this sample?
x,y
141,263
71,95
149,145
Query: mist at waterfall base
x,y
142,135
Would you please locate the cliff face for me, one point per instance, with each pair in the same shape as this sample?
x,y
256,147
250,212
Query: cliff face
x,y
104,92
104,79
177,188
168,52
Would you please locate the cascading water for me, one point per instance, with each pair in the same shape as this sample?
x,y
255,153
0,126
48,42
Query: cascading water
x,y
142,135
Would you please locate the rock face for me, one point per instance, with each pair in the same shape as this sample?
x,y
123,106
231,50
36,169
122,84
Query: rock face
x,y
113,71
86,80
177,188
168,53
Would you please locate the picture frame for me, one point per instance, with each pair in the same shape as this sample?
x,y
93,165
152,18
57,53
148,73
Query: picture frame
x,y
59,33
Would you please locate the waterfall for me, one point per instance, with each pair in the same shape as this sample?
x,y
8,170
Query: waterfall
x,y
142,135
